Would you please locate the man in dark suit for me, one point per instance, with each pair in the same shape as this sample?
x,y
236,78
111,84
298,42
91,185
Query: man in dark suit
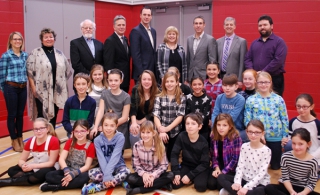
x,y
143,45
86,51
116,51
231,51
201,48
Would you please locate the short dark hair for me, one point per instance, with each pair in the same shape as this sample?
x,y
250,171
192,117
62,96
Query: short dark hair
x,y
266,17
230,79
201,17
146,7
45,31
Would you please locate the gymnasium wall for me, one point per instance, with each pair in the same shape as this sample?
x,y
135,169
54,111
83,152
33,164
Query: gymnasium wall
x,y
297,22
11,19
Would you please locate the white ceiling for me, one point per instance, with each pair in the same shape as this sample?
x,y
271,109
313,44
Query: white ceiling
x,y
144,2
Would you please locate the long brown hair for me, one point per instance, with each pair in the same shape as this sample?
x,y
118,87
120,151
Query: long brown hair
x,y
82,123
48,125
178,92
158,144
232,133
153,91
104,79
258,124
309,99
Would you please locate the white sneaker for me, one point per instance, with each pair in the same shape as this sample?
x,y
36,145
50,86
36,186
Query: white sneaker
x,y
223,192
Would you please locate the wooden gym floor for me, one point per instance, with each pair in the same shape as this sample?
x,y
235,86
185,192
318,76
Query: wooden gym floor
x,y
9,158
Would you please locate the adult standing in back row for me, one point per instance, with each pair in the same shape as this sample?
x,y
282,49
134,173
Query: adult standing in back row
x,y
86,51
142,45
201,49
268,53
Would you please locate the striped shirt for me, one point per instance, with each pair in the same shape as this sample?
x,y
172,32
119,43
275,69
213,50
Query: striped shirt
x,y
145,161
302,173
213,90
167,111
13,68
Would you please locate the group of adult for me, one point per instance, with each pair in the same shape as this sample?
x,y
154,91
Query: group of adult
x,y
46,67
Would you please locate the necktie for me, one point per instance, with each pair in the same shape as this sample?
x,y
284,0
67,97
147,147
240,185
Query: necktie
x,y
225,55
124,43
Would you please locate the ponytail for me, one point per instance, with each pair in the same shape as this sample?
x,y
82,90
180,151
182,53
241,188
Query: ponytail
x,y
49,126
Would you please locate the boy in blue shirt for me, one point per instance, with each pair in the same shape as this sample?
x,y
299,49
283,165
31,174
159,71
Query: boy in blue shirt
x,y
79,106
232,103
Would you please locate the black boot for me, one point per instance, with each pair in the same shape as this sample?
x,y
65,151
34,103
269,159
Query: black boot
x,y
19,181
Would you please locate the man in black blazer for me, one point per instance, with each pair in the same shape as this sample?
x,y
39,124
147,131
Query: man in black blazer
x,y
116,51
86,51
143,45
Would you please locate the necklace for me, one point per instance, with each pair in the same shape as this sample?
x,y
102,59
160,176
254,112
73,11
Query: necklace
x,y
172,47
50,51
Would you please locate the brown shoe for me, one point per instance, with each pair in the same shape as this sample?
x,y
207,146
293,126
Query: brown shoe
x,y
21,144
15,145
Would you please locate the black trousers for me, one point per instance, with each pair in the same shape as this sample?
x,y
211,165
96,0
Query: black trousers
x,y
278,83
226,182
213,183
200,181
279,189
136,181
53,121
55,177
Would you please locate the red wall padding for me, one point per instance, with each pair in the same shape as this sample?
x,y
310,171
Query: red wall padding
x,y
297,22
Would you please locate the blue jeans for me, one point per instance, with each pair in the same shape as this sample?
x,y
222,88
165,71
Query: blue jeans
x,y
16,99
288,146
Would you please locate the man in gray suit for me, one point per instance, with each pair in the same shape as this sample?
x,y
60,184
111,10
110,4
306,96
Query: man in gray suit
x,y
201,48
231,51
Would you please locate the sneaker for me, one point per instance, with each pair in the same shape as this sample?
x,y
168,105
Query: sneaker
x,y
127,187
45,187
223,192
89,189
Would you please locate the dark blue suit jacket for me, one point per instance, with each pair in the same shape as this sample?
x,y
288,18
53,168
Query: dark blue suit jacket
x,y
143,54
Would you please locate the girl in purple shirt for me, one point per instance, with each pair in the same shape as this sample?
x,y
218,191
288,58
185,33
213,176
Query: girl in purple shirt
x,y
225,149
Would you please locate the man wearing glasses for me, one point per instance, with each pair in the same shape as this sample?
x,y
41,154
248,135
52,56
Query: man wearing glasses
x,y
86,51
268,53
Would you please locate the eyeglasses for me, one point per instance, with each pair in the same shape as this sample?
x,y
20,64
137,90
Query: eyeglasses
x,y
263,82
87,28
40,129
80,132
257,133
303,107
17,39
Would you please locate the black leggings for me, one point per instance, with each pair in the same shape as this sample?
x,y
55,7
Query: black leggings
x,y
53,121
170,145
200,181
136,181
213,183
280,189
55,177
33,177
226,182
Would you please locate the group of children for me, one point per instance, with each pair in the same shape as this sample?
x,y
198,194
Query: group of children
x,y
227,139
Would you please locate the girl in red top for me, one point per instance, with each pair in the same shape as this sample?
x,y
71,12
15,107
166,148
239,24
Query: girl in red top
x,y
75,161
44,147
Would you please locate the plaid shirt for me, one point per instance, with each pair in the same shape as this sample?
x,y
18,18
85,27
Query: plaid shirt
x,y
144,161
167,111
13,68
213,90
231,153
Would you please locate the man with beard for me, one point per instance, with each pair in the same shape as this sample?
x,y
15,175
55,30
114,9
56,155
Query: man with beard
x,y
86,51
268,53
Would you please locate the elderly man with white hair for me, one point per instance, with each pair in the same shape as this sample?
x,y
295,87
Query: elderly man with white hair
x,y
86,51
